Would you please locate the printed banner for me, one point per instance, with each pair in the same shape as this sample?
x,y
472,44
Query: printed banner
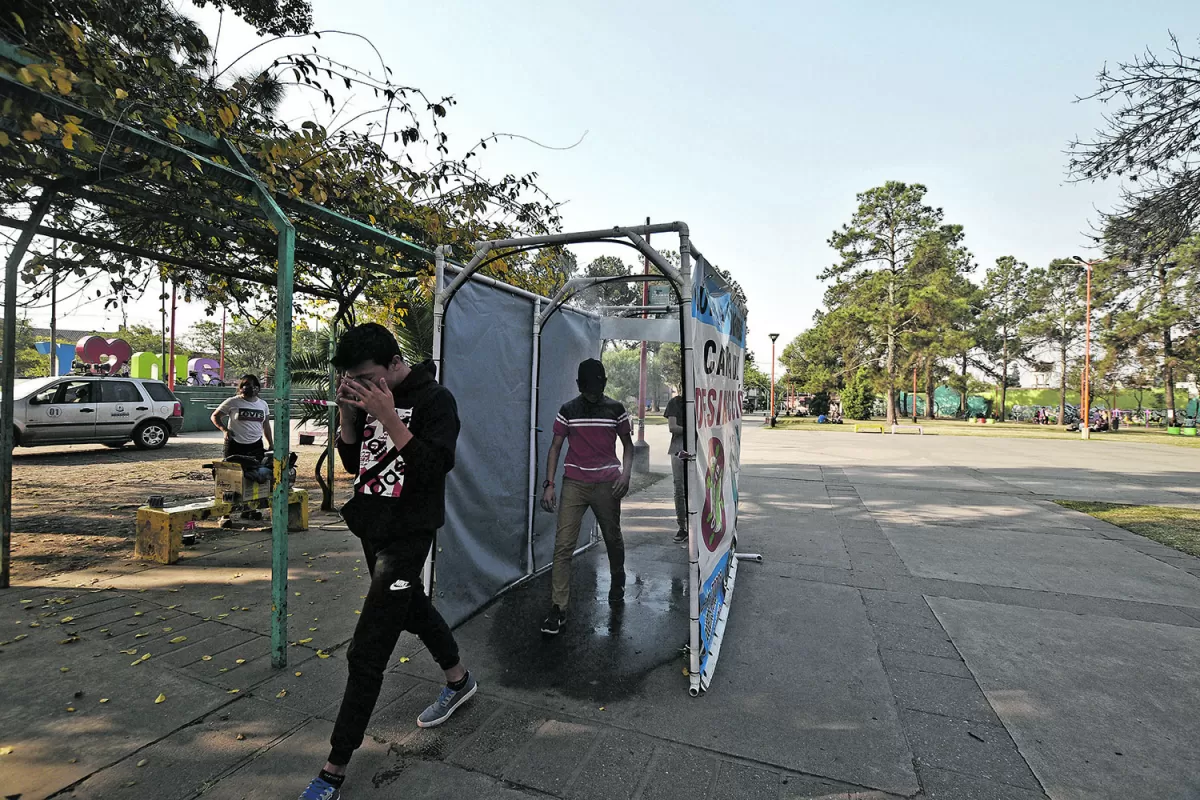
x,y
719,342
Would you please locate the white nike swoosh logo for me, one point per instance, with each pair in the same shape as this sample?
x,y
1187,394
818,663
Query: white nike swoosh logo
x,y
399,585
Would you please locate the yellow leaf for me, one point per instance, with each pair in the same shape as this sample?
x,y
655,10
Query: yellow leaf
x,y
178,639
5,751
64,669
233,691
20,22
103,699
321,654
298,674
306,641
141,763
130,652
282,694
240,661
241,737
67,619
206,658
162,698
122,94
218,597
404,659
167,630
196,164
138,613
70,709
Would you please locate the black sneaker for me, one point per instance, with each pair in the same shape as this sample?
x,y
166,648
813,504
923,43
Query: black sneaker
x,y
680,538
554,621
616,591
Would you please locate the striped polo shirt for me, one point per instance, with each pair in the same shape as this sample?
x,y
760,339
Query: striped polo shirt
x,y
591,430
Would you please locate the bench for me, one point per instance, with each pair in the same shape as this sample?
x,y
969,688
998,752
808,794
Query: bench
x,y
920,430
160,530
868,428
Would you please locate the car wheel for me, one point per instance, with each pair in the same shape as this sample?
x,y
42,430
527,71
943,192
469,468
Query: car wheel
x,y
150,436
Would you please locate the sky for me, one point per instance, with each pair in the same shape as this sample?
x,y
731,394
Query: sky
x,y
757,123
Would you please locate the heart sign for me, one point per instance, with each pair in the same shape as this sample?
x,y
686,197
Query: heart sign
x,y
114,353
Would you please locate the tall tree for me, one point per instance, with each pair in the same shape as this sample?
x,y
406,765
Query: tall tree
x,y
1056,316
1147,284
1151,139
1006,306
876,249
613,293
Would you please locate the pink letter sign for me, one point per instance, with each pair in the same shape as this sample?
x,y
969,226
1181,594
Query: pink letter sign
x,y
112,353
207,370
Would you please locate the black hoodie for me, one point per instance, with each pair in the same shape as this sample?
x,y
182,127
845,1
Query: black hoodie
x,y
407,486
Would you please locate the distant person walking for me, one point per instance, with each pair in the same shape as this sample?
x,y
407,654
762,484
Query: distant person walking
x,y
674,414
593,478
243,419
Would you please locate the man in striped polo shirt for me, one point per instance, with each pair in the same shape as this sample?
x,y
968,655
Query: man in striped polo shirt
x,y
593,477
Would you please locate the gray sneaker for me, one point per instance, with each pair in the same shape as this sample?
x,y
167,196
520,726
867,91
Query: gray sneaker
x,y
447,703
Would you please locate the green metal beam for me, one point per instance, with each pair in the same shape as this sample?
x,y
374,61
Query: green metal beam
x,y
285,270
8,377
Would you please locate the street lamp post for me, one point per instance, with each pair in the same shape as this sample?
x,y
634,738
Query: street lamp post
x,y
1085,383
773,336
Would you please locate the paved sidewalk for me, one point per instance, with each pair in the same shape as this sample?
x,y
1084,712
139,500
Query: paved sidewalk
x,y
918,629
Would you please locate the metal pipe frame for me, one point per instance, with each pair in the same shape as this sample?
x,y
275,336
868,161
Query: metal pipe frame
x,y
8,377
689,444
534,379
281,441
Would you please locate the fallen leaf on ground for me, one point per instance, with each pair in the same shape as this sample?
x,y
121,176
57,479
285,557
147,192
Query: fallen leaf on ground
x,y
298,674
103,699
67,619
233,691
139,613
240,661
404,659
140,635
71,709
322,654
306,641
282,694
4,751
141,763
130,652
241,737
206,658
64,669
218,597
162,698
167,630
178,639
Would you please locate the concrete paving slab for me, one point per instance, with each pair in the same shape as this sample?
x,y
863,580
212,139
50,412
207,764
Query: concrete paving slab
x,y
980,749
1043,562
556,753
613,767
192,758
1094,714
943,784
63,733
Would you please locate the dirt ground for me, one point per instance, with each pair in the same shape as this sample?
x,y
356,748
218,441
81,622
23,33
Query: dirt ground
x,y
75,506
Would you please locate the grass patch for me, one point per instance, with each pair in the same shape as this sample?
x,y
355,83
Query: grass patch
x,y
1003,430
1175,527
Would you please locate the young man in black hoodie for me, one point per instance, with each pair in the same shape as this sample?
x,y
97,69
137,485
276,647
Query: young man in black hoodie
x,y
397,435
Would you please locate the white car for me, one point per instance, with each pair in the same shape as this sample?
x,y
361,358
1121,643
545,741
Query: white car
x,y
82,409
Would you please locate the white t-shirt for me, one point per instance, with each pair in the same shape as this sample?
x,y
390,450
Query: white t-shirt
x,y
247,418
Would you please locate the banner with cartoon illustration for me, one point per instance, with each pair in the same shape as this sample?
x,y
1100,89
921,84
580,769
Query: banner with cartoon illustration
x,y
719,346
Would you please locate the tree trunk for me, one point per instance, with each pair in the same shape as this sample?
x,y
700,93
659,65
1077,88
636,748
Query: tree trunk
x,y
1168,349
891,360
929,410
962,397
1004,378
1062,387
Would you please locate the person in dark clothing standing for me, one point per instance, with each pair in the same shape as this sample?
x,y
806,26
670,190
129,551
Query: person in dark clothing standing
x,y
398,432
674,415
593,477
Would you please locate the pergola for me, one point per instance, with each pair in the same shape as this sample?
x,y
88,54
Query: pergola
x,y
212,190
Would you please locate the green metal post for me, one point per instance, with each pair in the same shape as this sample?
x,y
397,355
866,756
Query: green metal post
x,y
8,376
283,446
331,449
283,405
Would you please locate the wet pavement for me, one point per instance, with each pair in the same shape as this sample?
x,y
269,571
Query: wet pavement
x,y
922,627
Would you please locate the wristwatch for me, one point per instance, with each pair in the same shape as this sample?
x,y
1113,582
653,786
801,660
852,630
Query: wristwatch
x,y
547,484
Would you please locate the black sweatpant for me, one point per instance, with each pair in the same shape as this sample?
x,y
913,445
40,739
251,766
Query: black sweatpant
x,y
395,602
